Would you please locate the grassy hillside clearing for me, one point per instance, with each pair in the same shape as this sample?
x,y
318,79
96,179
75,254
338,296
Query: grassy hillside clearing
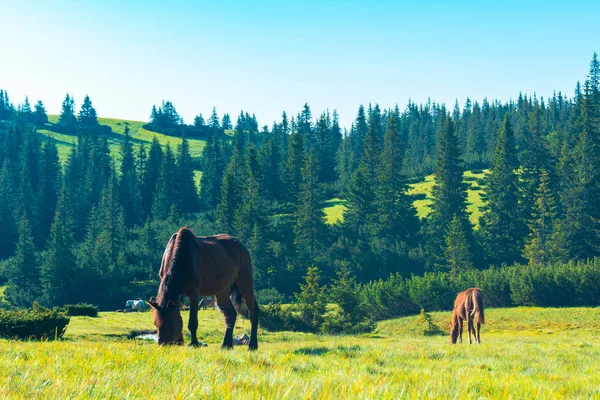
x,y
526,353
138,133
335,210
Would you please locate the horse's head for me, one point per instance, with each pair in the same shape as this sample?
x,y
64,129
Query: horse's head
x,y
454,329
168,322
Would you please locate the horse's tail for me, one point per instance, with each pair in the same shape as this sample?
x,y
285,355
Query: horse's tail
x,y
478,306
237,300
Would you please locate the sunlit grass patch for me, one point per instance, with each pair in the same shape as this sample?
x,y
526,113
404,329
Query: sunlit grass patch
x,y
334,211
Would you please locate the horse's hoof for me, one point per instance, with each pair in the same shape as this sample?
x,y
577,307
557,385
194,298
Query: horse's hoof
x,y
226,346
253,347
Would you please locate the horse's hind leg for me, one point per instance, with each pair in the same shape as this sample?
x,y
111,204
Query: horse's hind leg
x,y
477,336
246,289
470,327
193,321
230,314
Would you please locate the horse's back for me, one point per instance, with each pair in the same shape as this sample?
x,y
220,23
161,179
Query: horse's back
x,y
220,259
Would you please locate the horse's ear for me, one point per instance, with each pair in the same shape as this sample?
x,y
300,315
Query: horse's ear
x,y
170,304
152,303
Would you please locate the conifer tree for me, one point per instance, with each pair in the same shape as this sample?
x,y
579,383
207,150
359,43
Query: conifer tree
x,y
8,233
50,183
449,195
226,122
58,270
311,299
25,113
186,193
164,196
230,193
251,213
270,161
128,186
23,270
67,120
214,122
457,250
199,121
40,118
87,114
150,177
398,219
543,245
212,173
310,229
502,224
361,196
293,167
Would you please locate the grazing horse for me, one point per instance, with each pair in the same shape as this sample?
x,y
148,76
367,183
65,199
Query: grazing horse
x,y
467,306
203,266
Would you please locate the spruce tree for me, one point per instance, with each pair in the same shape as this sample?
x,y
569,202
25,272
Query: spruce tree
x,y
230,193
186,193
150,177
58,270
87,114
164,196
310,229
449,195
457,250
293,167
199,121
502,224
23,270
226,122
311,299
361,208
50,183
270,161
8,233
128,185
213,122
212,173
543,245
398,219
40,118
251,212
67,120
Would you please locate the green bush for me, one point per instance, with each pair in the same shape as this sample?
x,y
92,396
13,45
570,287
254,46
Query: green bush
x,y
283,317
81,309
34,323
268,296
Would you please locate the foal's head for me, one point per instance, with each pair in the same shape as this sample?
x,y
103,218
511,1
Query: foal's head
x,y
454,329
168,322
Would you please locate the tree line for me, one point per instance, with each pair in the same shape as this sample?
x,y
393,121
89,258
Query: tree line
x,y
94,231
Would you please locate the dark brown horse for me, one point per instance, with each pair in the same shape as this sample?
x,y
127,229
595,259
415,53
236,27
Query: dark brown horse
x,y
203,266
468,306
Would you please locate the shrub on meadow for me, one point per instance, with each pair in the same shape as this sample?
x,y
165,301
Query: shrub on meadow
x,y
81,310
35,323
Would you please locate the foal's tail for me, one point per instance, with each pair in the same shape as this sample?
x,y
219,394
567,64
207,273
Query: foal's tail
x,y
478,306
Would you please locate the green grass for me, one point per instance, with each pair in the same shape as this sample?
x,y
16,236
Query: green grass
x,y
334,212
526,353
138,133
475,204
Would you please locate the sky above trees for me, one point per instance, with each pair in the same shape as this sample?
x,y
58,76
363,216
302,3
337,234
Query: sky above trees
x,y
266,57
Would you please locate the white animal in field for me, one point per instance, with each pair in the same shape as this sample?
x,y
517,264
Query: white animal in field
x,y
138,305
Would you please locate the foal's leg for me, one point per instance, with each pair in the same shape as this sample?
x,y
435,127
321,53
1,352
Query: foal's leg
x,y
230,314
193,321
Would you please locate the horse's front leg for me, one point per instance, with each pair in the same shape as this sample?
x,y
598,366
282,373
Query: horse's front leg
x,y
193,321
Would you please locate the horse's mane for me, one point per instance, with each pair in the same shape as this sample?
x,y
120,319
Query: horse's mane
x,y
173,283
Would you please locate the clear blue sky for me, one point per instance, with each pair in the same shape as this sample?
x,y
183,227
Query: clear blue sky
x,y
266,57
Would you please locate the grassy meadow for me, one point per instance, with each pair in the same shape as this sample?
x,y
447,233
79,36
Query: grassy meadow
x,y
526,353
